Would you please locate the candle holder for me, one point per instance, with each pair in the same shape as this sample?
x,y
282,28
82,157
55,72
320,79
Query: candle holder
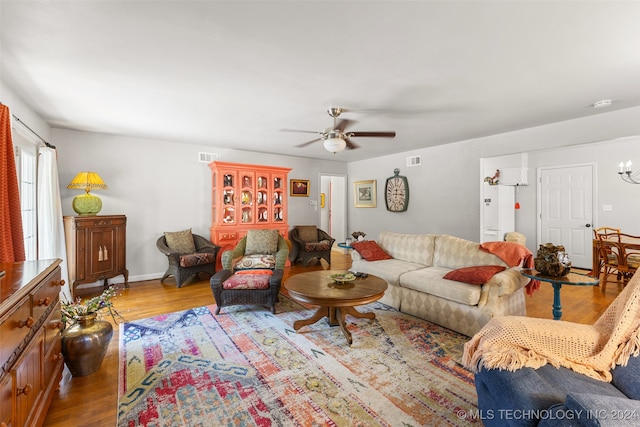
x,y
627,174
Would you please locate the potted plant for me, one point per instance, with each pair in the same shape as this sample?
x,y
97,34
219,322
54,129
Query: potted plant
x,y
358,235
85,338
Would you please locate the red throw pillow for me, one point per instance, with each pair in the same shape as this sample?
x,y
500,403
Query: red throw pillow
x,y
474,275
370,250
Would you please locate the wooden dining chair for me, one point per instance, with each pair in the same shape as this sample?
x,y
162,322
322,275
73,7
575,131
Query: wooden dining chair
x,y
620,258
609,234
631,246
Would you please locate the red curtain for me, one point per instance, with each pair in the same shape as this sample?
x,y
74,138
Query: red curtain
x,y
11,237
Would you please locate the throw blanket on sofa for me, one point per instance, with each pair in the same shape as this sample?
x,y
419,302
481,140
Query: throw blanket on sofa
x,y
513,342
513,254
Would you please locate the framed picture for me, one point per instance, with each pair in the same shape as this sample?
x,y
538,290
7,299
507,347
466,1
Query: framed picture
x,y
299,187
365,193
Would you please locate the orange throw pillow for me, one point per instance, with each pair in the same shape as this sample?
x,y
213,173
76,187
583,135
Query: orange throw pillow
x,y
370,250
474,275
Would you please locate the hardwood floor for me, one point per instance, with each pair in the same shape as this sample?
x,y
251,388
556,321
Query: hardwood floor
x,y
92,400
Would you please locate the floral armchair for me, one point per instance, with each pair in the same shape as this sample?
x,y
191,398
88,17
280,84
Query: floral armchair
x,y
251,272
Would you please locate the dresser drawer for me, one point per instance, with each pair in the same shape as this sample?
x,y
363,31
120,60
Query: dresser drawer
x,y
230,235
14,329
46,295
52,328
100,221
52,361
6,400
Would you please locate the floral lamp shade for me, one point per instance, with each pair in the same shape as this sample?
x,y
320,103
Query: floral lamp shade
x,y
87,204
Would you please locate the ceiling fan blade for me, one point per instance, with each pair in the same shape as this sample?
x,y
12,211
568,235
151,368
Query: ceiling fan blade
x,y
299,131
304,144
351,145
343,123
388,134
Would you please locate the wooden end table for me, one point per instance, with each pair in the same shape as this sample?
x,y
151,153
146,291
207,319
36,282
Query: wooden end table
x,y
336,300
574,279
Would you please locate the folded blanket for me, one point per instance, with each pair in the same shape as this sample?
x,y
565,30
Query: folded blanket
x,y
514,342
513,254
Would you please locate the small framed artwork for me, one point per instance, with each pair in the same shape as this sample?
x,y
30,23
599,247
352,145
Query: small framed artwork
x,y
365,193
299,188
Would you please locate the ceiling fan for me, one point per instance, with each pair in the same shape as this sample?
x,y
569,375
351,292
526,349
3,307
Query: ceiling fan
x,y
337,138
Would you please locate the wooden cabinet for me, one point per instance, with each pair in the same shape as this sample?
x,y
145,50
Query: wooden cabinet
x,y
246,197
30,326
96,248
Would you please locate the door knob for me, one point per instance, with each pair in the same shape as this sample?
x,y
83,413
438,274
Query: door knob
x,y
588,225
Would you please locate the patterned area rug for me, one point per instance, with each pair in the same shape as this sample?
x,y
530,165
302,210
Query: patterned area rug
x,y
248,367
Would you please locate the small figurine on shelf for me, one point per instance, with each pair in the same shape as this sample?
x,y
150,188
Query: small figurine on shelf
x,y
358,235
493,180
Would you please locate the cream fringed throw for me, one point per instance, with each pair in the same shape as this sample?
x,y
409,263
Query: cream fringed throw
x,y
514,342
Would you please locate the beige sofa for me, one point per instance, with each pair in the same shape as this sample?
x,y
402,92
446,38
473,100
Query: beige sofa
x,y
416,283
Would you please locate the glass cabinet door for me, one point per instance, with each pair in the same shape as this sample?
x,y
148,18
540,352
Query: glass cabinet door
x,y
247,202
278,198
263,198
228,198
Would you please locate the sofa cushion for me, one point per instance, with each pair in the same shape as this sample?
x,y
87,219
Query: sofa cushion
x,y
477,275
261,242
307,233
253,262
180,241
454,252
431,281
257,280
625,378
370,250
191,260
588,408
416,248
322,245
502,391
389,269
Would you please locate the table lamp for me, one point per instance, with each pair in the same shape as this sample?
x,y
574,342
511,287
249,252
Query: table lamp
x,y
87,204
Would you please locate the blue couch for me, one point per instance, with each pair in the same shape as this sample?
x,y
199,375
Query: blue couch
x,y
559,397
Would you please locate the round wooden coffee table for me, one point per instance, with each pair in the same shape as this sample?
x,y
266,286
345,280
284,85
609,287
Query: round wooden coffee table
x,y
336,300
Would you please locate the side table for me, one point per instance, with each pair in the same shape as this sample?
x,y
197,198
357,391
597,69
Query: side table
x,y
574,279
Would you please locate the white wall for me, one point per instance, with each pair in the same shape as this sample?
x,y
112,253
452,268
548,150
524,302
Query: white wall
x,y
443,192
18,108
160,186
445,189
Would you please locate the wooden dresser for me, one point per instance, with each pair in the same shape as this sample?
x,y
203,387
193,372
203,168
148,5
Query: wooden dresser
x,y
96,248
31,361
246,197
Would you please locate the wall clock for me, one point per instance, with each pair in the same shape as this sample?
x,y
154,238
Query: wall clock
x,y
397,192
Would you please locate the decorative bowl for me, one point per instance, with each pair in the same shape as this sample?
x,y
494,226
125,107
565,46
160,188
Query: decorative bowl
x,y
343,277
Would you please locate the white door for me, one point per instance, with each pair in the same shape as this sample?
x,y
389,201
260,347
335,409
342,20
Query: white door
x,y
566,211
333,216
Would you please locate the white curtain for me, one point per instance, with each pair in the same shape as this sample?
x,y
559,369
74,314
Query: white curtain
x,y
51,240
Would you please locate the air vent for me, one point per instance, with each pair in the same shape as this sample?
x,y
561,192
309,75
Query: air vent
x,y
207,157
414,161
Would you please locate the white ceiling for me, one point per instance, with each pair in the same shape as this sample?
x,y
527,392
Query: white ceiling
x,y
233,73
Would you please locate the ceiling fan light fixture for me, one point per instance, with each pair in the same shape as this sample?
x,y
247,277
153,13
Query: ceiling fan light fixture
x,y
334,144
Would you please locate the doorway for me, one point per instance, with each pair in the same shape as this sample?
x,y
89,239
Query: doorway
x,y
566,207
333,213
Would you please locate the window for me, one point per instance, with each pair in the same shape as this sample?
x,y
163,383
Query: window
x,y
27,170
